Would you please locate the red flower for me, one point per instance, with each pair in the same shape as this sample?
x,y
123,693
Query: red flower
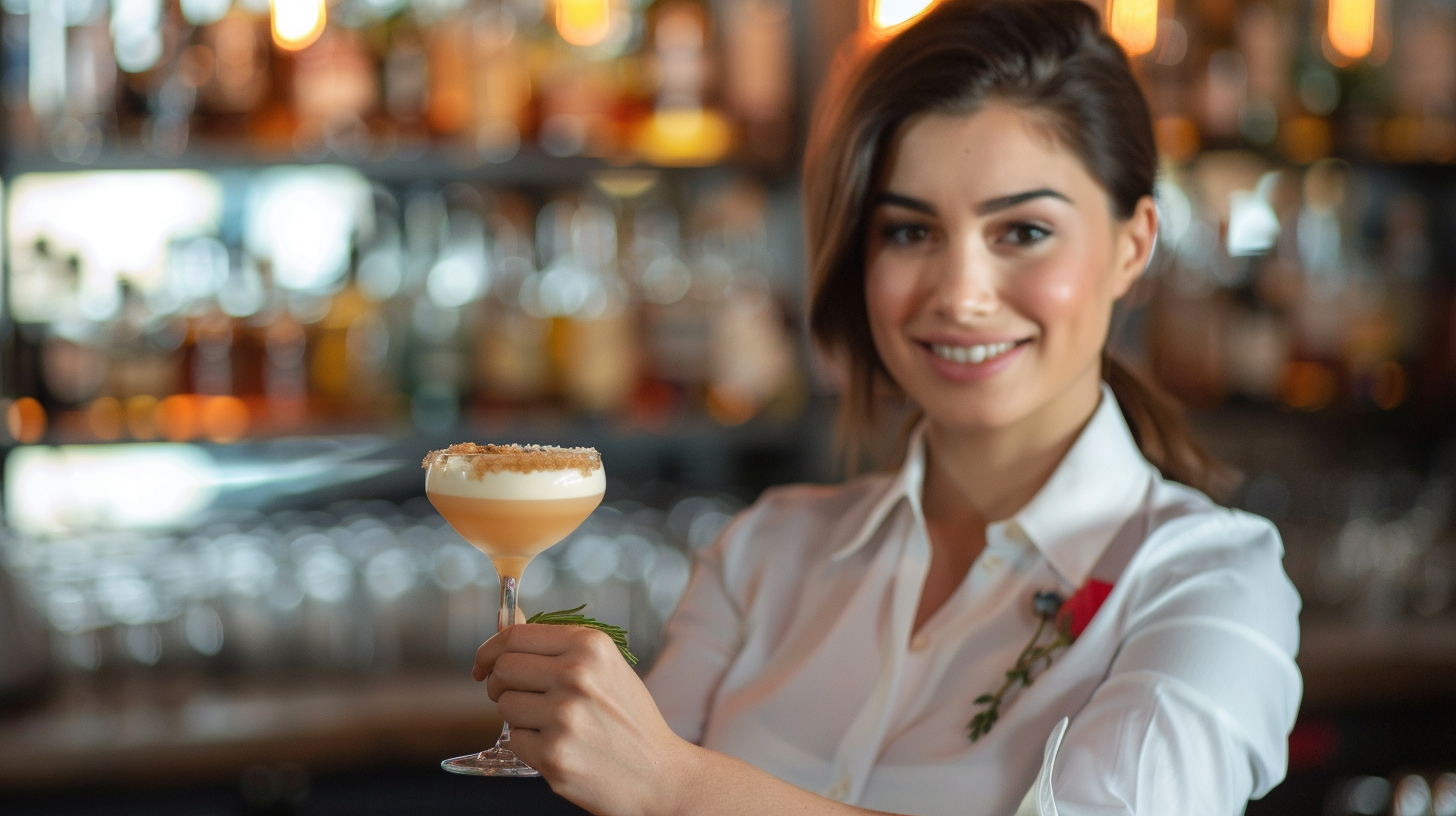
x,y
1077,612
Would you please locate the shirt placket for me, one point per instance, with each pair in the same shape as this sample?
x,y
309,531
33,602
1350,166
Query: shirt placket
x,y
859,748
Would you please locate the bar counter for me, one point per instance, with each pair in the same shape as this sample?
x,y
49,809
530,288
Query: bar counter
x,y
153,729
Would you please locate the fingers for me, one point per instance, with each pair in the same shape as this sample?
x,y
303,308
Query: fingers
x,y
533,638
531,711
519,671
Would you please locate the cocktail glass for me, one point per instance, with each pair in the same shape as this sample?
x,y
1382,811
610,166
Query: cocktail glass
x,y
512,502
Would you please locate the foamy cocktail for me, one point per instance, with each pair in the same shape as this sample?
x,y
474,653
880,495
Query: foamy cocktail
x,y
512,502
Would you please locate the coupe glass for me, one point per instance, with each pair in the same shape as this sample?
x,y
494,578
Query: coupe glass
x,y
512,503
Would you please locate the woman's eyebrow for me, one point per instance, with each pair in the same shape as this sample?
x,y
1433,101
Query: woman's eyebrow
x,y
905,201
991,205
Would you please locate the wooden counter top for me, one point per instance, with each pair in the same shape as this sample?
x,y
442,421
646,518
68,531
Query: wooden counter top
x,y
157,728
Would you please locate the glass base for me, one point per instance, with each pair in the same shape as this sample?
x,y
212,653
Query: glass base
x,y
495,762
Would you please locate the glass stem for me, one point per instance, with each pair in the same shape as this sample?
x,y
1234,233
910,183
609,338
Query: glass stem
x,y
507,617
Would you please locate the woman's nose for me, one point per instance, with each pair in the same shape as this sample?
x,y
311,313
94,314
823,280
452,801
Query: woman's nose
x,y
967,287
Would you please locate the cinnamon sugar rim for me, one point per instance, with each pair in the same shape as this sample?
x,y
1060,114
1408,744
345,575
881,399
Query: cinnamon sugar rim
x,y
519,458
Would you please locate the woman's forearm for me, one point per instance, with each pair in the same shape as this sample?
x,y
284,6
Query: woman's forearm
x,y
706,783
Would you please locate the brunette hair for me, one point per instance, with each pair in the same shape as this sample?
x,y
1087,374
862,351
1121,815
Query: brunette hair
x,y
1046,56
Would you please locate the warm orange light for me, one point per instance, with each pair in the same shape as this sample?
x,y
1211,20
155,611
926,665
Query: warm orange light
x,y
176,417
1308,386
298,23
1134,24
886,14
1351,27
583,22
104,418
224,419
141,417
679,137
26,420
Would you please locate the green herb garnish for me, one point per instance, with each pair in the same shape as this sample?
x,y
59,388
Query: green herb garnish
x,y
569,617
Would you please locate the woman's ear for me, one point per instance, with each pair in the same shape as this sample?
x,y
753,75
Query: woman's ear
x,y
1137,236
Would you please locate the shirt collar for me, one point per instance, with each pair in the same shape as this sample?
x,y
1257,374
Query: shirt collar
x,y
1095,489
906,485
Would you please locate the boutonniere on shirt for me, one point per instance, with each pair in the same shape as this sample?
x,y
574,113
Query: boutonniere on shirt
x,y
1066,619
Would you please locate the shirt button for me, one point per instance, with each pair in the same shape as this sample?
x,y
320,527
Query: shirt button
x,y
840,791
919,643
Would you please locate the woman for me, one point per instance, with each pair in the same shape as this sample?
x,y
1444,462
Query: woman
x,y
976,205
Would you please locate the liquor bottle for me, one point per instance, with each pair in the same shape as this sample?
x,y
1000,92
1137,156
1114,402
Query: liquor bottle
x,y
592,341
450,97
676,327
502,84
597,348
349,353
240,79
751,358
759,72
512,360
334,88
406,85
684,128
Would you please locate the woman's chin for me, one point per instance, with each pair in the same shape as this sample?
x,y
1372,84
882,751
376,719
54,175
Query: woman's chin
x,y
971,414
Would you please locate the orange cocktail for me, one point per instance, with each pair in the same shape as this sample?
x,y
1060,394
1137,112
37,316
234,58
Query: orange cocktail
x,y
512,502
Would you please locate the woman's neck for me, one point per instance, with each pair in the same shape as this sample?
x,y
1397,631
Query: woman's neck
x,y
987,475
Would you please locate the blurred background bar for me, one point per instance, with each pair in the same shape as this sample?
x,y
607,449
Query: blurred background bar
x,y
261,255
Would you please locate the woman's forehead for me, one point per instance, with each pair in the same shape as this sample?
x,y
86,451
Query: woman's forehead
x,y
997,150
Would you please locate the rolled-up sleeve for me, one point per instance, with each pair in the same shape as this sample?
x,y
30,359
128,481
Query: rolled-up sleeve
x,y
1194,715
701,639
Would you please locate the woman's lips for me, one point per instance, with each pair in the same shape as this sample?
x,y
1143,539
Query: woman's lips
x,y
972,363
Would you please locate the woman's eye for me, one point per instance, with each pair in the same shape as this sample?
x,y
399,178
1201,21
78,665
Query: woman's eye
x,y
905,234
1027,234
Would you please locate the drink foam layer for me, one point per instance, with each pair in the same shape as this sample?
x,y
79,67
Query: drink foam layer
x,y
515,472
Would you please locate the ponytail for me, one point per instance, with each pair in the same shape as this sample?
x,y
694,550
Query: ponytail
x,y
1162,433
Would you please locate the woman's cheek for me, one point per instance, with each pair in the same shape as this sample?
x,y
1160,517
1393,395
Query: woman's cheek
x,y
888,294
1055,294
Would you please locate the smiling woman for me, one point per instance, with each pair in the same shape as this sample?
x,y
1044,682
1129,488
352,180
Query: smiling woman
x,y
1040,594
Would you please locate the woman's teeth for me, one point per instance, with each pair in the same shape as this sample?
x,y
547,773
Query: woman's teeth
x,y
972,354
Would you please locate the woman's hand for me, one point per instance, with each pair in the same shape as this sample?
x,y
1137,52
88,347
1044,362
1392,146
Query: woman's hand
x,y
581,717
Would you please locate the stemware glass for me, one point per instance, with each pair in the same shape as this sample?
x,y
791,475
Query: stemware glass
x,y
511,503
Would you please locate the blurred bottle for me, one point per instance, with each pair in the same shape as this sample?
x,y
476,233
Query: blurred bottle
x,y
334,88
676,322
502,84
759,73
406,83
350,352
240,75
593,342
685,128
512,359
450,97
751,359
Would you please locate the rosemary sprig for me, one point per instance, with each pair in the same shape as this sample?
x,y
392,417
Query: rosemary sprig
x,y
570,617
1046,605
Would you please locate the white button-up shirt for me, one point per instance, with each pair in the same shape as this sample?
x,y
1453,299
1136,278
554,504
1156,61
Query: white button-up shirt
x,y
793,648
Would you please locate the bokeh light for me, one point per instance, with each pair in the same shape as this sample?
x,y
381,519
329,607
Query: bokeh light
x,y
26,420
1134,24
583,22
889,14
105,418
224,419
297,24
1351,27
177,417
